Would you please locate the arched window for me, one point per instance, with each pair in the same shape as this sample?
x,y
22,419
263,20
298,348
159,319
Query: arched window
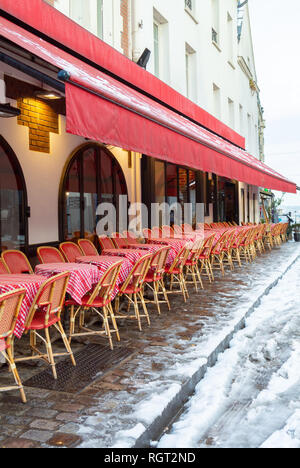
x,y
93,176
13,201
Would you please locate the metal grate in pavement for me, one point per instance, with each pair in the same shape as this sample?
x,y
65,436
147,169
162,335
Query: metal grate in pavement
x,y
91,363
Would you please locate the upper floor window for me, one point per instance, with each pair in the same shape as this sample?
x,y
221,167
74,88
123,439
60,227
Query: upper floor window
x,y
230,37
215,21
191,72
89,14
161,46
189,4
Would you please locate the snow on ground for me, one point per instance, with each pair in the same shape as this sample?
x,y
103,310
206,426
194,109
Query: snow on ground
x,y
251,397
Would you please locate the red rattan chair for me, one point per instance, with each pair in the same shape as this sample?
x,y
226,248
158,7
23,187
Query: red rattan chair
x,y
156,233
218,252
49,255
176,275
106,243
147,233
154,279
45,313
100,298
16,262
3,269
10,304
70,251
178,232
167,231
131,237
132,290
119,241
205,257
87,247
192,264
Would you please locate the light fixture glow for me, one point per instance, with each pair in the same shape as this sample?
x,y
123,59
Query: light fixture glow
x,y
48,95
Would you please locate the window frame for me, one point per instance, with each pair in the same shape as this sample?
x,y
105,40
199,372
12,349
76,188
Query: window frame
x,y
78,154
17,169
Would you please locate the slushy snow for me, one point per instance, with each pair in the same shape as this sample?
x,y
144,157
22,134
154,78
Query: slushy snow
x,y
251,397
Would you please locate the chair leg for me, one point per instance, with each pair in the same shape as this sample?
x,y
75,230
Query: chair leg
x,y
114,322
107,327
162,284
66,342
144,307
137,312
50,353
9,357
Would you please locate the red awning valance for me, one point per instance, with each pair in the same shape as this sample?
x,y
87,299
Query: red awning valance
x,y
103,109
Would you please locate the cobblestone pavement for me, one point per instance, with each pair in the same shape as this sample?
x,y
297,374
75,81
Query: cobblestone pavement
x,y
116,408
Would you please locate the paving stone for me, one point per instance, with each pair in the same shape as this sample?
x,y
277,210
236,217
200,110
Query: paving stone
x,y
68,407
12,443
42,413
64,440
37,435
67,417
45,424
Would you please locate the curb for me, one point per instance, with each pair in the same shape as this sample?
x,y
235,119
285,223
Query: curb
x,y
174,407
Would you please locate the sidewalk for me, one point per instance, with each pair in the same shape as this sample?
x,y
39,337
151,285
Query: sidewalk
x,y
130,404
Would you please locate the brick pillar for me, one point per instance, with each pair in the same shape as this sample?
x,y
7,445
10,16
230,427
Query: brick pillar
x,y
125,13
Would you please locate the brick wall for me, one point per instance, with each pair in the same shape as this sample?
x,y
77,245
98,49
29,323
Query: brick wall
x,y
125,33
40,118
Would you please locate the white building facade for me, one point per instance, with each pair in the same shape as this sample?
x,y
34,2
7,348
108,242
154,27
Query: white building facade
x,y
201,48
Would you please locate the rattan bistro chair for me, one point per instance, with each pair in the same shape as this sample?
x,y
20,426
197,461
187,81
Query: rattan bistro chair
x,y
106,243
205,257
10,304
70,251
119,241
87,247
49,255
100,298
218,252
132,290
16,262
3,269
176,273
192,265
45,313
154,279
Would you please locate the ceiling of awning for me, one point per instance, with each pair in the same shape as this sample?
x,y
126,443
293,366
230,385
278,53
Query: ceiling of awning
x,y
103,109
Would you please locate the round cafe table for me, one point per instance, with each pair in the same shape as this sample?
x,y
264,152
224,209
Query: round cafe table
x,y
82,277
32,284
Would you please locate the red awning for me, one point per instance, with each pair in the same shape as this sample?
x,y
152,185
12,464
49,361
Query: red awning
x,y
55,25
103,109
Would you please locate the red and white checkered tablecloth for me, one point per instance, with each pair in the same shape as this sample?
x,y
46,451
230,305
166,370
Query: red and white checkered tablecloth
x,y
133,255
103,262
153,248
175,244
32,284
82,277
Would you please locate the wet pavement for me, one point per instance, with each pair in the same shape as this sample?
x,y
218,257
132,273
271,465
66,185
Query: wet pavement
x,y
124,399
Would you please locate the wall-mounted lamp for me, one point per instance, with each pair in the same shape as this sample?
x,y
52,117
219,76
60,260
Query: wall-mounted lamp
x,y
7,111
48,95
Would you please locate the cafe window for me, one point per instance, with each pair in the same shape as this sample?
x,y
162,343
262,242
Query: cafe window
x,y
13,200
93,176
181,187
